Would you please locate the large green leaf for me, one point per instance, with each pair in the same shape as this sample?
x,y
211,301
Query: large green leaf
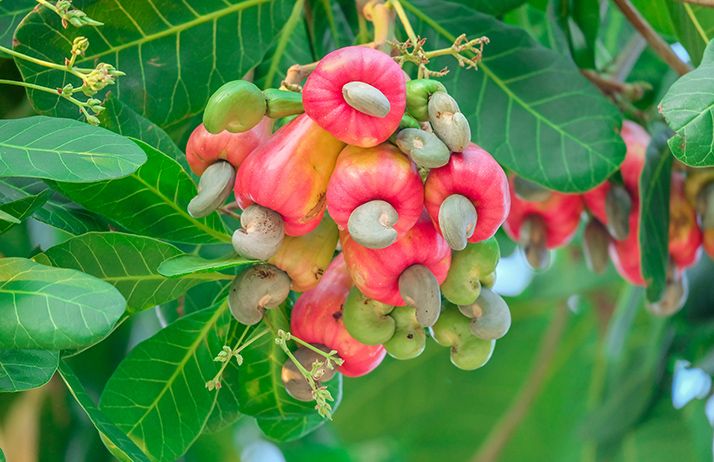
x,y
157,395
151,201
64,150
11,13
25,369
527,105
292,47
490,7
261,393
688,108
53,308
120,118
128,262
22,208
175,54
120,445
184,264
654,213
694,27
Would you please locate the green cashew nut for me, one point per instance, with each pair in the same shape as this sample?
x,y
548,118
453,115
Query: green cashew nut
x,y
490,316
237,106
673,297
372,224
448,122
366,99
418,93
617,208
471,268
282,103
424,148
468,352
214,187
367,320
409,339
254,290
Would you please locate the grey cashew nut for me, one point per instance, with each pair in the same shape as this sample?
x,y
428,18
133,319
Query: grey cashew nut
x,y
419,288
595,243
448,122
366,99
533,237
214,187
261,233
424,148
372,224
256,289
490,316
618,205
295,384
457,220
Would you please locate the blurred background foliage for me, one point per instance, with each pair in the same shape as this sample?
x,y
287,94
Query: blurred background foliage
x,y
586,373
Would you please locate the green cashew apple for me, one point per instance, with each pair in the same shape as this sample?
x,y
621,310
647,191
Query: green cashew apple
x,y
453,330
471,268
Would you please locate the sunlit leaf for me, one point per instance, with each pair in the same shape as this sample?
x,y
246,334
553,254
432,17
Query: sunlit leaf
x,y
65,150
157,395
128,262
53,308
25,369
152,201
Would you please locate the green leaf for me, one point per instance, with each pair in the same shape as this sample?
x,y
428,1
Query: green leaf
x,y
64,150
20,209
120,118
174,54
528,106
261,393
4,216
654,213
122,447
11,13
157,395
694,27
52,308
688,108
492,8
2,456
151,201
128,262
292,47
67,216
25,369
182,265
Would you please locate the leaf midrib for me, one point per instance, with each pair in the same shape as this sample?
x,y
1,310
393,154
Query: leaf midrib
x,y
193,347
177,29
486,70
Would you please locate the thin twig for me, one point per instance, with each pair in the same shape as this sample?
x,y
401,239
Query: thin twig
x,y
612,87
660,47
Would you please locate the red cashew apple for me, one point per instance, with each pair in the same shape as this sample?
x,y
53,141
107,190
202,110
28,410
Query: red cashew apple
x,y
281,186
625,254
540,226
317,318
205,148
358,94
468,198
407,272
376,193
596,200
685,237
215,158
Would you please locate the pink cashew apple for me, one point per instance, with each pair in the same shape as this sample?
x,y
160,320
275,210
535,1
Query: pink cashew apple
x,y
317,318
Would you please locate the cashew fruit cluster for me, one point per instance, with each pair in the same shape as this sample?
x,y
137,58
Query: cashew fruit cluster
x,y
371,204
541,220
